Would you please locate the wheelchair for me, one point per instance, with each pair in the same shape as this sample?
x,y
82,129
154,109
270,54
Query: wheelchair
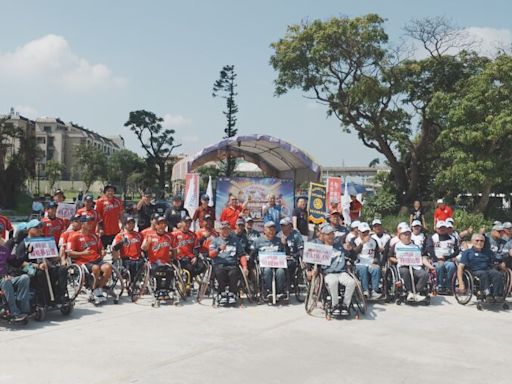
x,y
5,312
298,283
472,285
394,286
318,293
82,281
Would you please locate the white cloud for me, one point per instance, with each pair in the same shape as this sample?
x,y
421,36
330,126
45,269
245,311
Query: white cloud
x,y
51,60
172,121
489,40
27,111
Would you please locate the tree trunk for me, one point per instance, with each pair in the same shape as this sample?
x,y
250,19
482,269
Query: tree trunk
x,y
484,200
161,178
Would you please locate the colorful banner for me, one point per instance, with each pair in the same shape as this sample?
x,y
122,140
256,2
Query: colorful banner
x,y
255,191
316,203
317,253
191,201
334,193
65,211
272,260
42,247
408,255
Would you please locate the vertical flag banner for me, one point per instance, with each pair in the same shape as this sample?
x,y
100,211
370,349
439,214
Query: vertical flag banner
x,y
316,203
209,191
346,204
334,185
191,192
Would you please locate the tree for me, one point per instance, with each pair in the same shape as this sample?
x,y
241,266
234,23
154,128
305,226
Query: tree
x,y
225,87
157,142
91,165
53,170
476,144
349,66
124,163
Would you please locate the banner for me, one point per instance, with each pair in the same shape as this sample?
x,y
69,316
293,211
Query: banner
x,y
408,255
42,247
345,205
191,201
334,193
272,260
316,203
317,254
65,211
255,190
209,191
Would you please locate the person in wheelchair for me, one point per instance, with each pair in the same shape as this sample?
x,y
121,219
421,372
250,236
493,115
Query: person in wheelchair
x,y
227,254
85,248
205,234
480,262
336,274
419,273
293,244
186,249
269,242
127,245
158,246
75,226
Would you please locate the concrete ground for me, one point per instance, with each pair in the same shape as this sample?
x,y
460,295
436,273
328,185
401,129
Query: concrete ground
x,y
135,343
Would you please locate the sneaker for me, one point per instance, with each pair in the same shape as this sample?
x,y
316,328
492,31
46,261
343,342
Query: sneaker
x,y
97,291
410,296
336,311
103,293
500,299
223,300
19,318
419,298
366,294
231,299
375,296
344,310
490,299
98,300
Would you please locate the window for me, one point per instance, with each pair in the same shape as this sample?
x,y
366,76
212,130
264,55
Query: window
x,y
47,128
41,140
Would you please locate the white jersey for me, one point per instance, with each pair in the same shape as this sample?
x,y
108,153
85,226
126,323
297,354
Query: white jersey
x,y
418,239
382,240
368,252
444,248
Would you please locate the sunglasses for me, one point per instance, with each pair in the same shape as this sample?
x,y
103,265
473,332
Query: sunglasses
x,y
479,241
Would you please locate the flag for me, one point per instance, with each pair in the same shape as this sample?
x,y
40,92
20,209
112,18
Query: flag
x,y
346,204
209,191
191,192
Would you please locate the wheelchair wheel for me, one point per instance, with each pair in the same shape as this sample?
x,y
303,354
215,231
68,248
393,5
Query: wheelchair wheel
x,y
300,286
507,286
75,281
463,297
358,298
390,287
181,278
247,287
40,313
205,286
140,282
67,308
115,284
314,292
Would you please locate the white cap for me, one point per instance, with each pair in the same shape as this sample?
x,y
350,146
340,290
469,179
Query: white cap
x,y
449,224
450,220
497,222
376,221
497,228
440,224
440,201
507,225
355,224
363,227
403,227
416,223
326,229
285,221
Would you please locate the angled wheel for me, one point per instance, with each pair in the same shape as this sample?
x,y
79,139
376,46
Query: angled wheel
x,y
314,292
140,283
390,288
463,297
359,299
115,284
300,286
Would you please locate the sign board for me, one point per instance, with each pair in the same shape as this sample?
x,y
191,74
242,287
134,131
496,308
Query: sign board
x,y
408,255
272,260
317,254
65,210
316,203
42,247
334,193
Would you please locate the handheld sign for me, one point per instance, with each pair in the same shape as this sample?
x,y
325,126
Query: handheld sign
x,y
273,260
408,255
317,254
65,210
42,247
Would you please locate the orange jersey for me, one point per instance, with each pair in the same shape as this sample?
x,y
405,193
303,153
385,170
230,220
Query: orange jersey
x,y
159,248
231,215
185,243
53,227
64,237
131,241
80,242
88,213
147,232
110,213
204,240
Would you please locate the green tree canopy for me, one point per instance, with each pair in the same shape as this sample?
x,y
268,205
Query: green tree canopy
x,y
123,164
53,171
91,165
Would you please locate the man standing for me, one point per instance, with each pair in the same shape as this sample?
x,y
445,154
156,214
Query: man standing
x,y
300,217
110,210
355,208
442,212
231,213
203,210
144,210
272,212
175,213
53,226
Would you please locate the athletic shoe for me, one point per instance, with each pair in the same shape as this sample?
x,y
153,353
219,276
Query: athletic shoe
x,y
410,296
490,299
375,296
336,311
231,299
366,294
19,318
223,300
344,310
419,298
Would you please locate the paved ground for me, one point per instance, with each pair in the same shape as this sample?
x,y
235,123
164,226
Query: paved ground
x,y
134,343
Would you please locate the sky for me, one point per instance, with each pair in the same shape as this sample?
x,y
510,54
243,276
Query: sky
x,y
92,62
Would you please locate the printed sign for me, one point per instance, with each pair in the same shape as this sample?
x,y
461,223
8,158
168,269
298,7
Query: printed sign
x,y
408,255
334,193
316,203
317,254
65,210
42,247
273,260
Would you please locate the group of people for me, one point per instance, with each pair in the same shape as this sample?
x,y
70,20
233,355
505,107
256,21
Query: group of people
x,y
165,236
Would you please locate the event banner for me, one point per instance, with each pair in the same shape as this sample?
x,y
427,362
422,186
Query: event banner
x,y
272,260
317,253
65,211
334,193
255,190
191,201
42,247
408,255
316,203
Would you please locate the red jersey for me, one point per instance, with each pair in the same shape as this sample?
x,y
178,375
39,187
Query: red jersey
x,y
355,209
79,242
110,213
53,227
64,237
231,215
147,232
201,212
442,214
132,242
88,213
159,248
5,226
185,243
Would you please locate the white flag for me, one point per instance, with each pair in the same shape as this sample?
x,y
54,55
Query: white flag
x,y
209,191
346,204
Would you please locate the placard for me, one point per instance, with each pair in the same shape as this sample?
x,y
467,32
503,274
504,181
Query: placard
x,y
317,254
408,255
42,247
65,211
272,260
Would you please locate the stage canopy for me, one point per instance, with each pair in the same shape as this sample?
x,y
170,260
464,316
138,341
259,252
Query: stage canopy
x,y
275,157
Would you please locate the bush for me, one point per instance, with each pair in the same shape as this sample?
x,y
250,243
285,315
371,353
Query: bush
x,y
382,203
464,220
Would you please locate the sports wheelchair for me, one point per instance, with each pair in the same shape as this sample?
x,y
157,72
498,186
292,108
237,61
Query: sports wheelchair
x,y
394,286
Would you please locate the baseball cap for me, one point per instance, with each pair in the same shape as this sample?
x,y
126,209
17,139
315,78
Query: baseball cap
x,y
177,197
376,222
240,221
161,218
75,218
21,227
497,222
34,223
89,197
416,223
326,229
205,197
86,218
58,192
285,221
497,227
130,218
507,225
269,224
355,224
225,224
52,204
450,220
440,224
449,224
440,201
155,216
404,228
186,218
335,212
363,227
249,219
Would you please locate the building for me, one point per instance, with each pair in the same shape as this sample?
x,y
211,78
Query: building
x,y
26,125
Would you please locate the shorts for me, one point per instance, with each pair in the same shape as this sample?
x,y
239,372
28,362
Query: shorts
x,y
89,265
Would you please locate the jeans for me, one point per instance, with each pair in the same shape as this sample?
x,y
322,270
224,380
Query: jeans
x,y
362,273
227,275
16,292
488,277
420,276
445,271
343,278
280,280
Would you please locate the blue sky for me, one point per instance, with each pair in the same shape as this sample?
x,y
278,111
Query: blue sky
x,y
92,62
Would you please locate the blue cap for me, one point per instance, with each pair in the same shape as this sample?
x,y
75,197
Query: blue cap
x,y
52,204
34,223
21,226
